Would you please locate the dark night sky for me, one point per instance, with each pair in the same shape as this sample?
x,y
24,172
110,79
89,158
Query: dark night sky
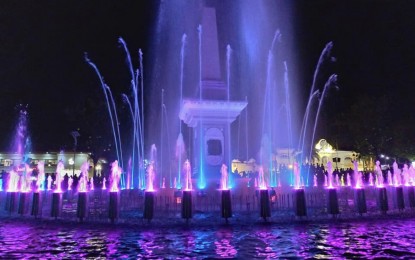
x,y
42,44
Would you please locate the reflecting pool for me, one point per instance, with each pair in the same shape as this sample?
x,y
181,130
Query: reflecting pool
x,y
33,239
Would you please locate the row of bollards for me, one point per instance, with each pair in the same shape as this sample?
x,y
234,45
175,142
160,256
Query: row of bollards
x,y
81,208
360,201
36,205
148,205
382,200
299,202
187,208
333,203
56,204
226,205
187,205
265,208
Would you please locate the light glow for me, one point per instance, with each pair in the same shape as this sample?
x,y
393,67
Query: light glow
x,y
115,176
60,172
224,177
150,177
82,186
261,179
187,176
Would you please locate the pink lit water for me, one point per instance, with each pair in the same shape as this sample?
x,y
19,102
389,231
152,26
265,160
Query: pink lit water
x,y
362,239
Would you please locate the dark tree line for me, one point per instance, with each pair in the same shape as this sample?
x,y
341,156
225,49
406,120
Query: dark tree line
x,y
374,125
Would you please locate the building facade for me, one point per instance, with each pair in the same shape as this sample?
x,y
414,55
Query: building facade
x,y
72,161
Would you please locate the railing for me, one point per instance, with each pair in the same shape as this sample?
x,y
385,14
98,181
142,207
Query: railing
x,y
167,203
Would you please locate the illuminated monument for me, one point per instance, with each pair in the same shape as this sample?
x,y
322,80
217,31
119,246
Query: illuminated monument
x,y
211,114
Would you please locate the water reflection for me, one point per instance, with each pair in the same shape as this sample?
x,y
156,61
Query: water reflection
x,y
224,244
264,249
112,240
380,239
149,244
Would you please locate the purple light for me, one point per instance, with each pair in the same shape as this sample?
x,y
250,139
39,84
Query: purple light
x,y
224,178
115,176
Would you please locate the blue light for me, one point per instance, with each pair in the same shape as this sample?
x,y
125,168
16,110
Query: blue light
x,y
202,180
231,179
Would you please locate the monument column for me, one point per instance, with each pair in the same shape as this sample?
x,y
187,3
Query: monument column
x,y
211,114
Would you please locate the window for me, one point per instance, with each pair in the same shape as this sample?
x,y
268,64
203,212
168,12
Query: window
x,y
214,147
336,159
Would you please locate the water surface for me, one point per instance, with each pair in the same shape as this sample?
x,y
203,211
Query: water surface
x,y
33,239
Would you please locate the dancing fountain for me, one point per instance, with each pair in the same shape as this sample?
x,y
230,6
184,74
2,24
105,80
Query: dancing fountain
x,y
332,202
209,116
25,181
12,189
20,174
410,188
187,208
149,193
398,199
382,195
57,193
264,204
114,191
91,183
70,182
104,183
226,203
359,192
82,210
299,194
40,186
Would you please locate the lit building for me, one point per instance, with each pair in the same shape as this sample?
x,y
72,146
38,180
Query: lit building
x,y
340,159
51,159
282,157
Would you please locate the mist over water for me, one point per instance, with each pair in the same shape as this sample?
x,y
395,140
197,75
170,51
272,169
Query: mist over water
x,y
249,28
21,143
